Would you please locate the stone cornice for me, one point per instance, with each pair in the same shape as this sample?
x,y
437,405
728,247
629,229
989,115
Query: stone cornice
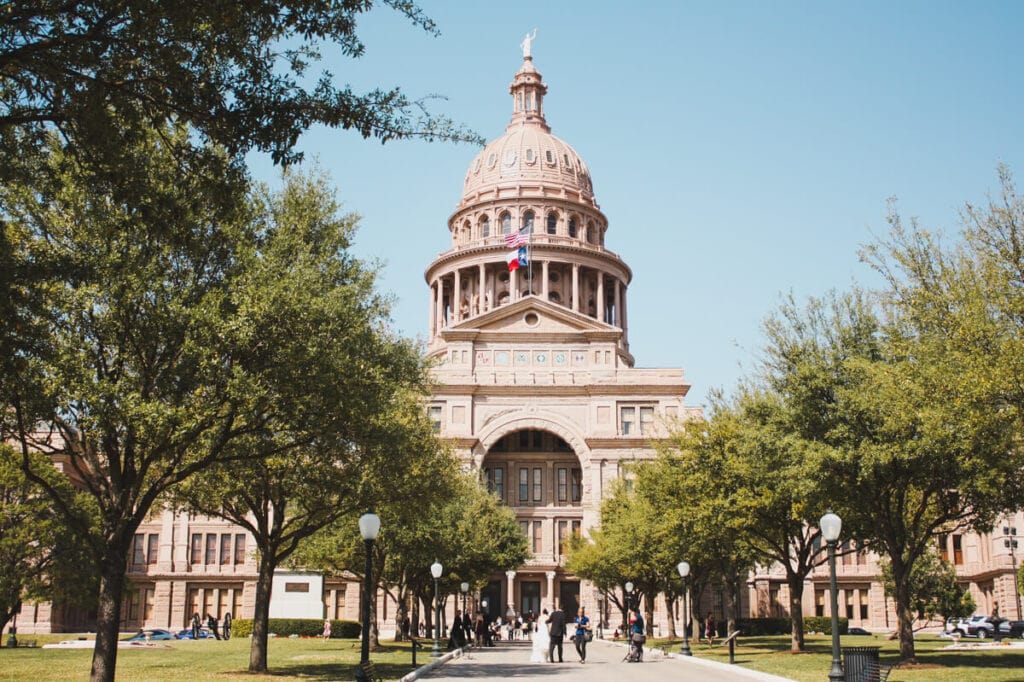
x,y
588,255
588,391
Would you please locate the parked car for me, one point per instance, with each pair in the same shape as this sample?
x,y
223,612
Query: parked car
x,y
1011,628
981,627
151,635
203,634
857,631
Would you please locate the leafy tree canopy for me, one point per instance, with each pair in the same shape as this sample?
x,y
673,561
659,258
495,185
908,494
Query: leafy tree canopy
x,y
238,71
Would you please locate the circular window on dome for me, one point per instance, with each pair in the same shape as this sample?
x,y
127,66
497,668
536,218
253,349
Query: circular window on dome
x,y
503,277
554,277
531,319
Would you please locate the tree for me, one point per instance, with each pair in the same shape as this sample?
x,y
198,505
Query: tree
x,y
353,413
759,471
934,589
174,340
901,457
237,72
40,557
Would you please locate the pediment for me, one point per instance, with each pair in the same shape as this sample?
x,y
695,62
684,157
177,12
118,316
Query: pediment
x,y
531,315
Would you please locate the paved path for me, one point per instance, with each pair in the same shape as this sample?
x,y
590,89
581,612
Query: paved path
x,y
510,661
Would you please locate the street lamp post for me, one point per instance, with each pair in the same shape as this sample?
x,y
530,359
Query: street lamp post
x,y
465,588
684,571
435,570
369,526
830,525
1011,544
629,606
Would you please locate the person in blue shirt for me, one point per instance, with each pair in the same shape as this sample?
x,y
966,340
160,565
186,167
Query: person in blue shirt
x,y
582,632
637,635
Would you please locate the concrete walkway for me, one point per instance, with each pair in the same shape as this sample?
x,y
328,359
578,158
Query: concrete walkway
x,y
510,660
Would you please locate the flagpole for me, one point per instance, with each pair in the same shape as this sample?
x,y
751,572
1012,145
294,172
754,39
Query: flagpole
x,y
529,258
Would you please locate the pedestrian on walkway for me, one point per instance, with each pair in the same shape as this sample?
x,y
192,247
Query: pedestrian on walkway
x,y
582,635
556,628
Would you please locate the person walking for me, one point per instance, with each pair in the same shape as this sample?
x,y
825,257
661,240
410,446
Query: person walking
x,y
539,652
556,628
196,625
582,634
326,634
709,629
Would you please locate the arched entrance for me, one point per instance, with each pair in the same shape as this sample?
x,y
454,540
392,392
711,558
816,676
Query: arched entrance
x,y
539,475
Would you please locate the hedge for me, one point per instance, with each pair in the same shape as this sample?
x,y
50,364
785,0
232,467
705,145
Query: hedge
x,y
303,627
784,626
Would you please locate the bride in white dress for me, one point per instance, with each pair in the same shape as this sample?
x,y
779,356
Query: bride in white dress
x,y
541,640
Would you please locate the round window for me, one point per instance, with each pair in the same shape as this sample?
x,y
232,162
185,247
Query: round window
x,y
531,319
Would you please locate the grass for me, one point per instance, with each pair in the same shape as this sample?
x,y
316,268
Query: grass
x,y
299,659
935,662
314,659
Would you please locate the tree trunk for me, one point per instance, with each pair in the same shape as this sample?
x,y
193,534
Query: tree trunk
x,y
649,616
108,614
261,614
374,632
904,615
796,612
670,605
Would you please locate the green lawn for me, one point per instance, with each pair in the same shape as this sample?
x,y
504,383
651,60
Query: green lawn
x,y
305,659
935,663
314,659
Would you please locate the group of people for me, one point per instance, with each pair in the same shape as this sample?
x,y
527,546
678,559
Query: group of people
x,y
550,632
210,621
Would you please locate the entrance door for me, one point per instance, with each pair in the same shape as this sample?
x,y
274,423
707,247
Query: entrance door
x,y
490,600
529,592
569,597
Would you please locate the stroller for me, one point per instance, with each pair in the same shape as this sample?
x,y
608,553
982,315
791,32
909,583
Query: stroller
x,y
636,647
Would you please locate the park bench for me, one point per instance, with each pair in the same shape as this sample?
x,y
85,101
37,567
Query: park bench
x,y
371,672
879,672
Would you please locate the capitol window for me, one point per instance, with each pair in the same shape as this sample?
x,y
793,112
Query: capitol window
x,y
636,420
552,223
506,223
529,156
485,227
549,156
527,222
572,227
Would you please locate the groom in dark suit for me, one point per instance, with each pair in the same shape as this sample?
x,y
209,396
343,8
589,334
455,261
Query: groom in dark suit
x,y
556,623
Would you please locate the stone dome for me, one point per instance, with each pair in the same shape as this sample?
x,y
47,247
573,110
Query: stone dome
x,y
528,155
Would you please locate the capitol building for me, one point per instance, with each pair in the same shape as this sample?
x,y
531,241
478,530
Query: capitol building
x,y
536,391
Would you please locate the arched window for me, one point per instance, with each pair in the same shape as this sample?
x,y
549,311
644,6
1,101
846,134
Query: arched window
x,y
467,230
572,227
527,225
485,227
554,297
506,223
591,232
552,223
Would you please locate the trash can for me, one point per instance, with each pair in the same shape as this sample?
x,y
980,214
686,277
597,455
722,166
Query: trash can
x,y
860,663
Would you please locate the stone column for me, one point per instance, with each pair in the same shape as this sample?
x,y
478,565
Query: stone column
x,y
625,325
513,285
544,274
511,576
438,306
600,296
457,297
481,288
576,287
551,587
618,303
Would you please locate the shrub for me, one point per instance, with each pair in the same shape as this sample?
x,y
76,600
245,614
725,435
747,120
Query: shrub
x,y
765,626
304,627
823,624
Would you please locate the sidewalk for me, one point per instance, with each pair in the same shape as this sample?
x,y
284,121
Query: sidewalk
x,y
605,663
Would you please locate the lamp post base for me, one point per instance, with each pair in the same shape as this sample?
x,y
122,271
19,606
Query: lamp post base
x,y
361,675
435,651
685,650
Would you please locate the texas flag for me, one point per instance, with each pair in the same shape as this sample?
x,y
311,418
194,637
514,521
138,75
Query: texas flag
x,y
517,258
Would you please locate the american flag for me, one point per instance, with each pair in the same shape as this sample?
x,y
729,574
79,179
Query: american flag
x,y
517,239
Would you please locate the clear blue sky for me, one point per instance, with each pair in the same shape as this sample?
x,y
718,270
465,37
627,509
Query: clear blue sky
x,y
740,150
